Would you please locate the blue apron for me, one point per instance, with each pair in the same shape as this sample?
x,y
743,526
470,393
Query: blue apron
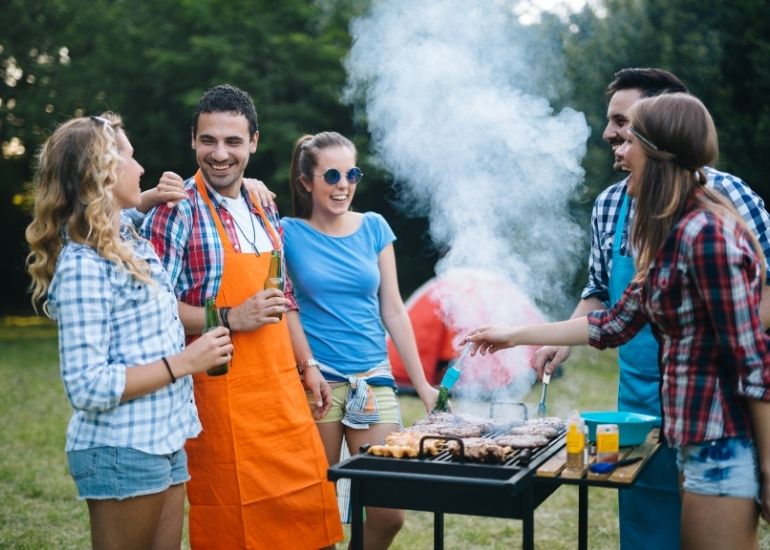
x,y
650,511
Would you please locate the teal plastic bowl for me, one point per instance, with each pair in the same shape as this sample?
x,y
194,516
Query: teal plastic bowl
x,y
632,427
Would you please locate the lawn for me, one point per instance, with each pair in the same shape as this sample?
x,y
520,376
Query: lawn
x,y
39,509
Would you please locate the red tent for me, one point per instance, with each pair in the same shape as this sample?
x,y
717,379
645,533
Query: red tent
x,y
454,303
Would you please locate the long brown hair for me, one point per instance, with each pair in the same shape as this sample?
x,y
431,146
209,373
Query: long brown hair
x,y
678,136
304,159
77,169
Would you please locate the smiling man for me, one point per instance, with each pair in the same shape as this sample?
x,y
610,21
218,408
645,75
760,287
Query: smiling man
x,y
650,512
259,468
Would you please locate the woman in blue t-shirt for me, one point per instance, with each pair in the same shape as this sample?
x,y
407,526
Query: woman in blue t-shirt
x,y
343,269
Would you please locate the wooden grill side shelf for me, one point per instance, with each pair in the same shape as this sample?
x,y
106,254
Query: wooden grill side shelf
x,y
555,472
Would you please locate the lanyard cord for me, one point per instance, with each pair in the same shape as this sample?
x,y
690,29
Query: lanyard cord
x,y
253,240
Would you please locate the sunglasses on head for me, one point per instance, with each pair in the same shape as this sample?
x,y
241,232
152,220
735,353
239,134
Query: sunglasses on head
x,y
332,175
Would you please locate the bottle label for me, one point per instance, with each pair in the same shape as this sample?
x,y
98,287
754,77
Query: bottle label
x,y
607,445
576,441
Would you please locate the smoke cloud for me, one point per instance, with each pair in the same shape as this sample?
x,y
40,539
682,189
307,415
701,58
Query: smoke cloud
x,y
456,97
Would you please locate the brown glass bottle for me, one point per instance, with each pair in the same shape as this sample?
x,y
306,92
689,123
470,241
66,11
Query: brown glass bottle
x,y
275,275
212,321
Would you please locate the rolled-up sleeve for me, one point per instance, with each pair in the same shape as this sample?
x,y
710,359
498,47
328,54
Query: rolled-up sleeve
x,y
598,271
610,328
83,297
168,230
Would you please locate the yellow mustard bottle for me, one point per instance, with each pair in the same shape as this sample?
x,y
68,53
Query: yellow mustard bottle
x,y
576,441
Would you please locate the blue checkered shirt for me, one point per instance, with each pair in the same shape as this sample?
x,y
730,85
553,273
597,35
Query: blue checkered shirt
x,y
109,322
606,210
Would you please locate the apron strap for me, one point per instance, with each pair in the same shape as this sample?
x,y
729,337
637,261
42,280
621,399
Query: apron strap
x,y
620,227
267,226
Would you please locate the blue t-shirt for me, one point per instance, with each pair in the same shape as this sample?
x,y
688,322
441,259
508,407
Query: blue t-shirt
x,y
336,284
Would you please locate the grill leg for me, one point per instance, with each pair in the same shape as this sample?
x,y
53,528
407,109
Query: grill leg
x,y
528,520
438,531
357,519
582,517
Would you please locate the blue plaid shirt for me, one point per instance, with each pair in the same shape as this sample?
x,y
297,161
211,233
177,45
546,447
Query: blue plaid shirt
x,y
606,210
109,322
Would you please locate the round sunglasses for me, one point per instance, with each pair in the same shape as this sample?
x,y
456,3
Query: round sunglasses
x,y
332,176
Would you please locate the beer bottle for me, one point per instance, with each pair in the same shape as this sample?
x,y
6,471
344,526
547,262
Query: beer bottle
x,y
442,403
212,321
275,275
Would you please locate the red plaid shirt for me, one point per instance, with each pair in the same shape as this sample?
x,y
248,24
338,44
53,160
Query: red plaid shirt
x,y
701,297
186,240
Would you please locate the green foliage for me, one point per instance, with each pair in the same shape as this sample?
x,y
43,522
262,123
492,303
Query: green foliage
x,y
39,508
150,61
719,49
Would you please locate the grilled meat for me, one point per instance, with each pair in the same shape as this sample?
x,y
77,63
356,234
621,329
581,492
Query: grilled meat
x,y
523,441
479,448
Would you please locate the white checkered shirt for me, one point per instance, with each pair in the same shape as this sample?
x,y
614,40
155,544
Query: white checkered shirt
x,y
109,322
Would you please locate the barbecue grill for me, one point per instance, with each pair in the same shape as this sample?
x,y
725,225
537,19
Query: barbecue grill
x,y
448,484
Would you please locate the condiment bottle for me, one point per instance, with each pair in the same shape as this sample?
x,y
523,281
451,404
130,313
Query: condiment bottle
x,y
212,321
275,275
576,441
607,443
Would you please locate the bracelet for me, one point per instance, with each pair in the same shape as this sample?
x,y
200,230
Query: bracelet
x,y
168,368
306,364
224,313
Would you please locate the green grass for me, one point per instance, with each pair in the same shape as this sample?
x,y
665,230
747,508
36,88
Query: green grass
x,y
39,508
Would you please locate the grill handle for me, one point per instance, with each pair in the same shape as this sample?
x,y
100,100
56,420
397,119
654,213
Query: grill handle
x,y
446,438
421,451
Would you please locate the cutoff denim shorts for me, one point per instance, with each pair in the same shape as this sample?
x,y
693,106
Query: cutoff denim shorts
x,y
387,403
723,467
118,472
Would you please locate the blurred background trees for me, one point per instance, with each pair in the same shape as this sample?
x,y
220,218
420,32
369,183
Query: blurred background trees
x,y
150,61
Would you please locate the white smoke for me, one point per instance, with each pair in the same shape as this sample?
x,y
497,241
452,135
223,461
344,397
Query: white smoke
x,y
455,97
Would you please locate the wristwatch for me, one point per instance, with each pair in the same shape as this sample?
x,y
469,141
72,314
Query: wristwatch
x,y
304,365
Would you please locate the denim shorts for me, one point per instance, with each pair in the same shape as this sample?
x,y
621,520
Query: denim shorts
x,y
387,403
119,472
723,467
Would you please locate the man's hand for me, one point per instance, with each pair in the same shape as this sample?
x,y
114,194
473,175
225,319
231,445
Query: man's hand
x,y
261,309
548,358
322,392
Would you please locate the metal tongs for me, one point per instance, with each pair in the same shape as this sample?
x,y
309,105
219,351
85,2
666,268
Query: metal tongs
x,y
541,405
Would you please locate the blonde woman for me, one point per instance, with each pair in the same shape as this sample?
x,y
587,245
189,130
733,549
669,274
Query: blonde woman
x,y
121,346
700,274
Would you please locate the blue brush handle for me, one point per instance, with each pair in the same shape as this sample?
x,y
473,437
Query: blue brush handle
x,y
450,377
606,467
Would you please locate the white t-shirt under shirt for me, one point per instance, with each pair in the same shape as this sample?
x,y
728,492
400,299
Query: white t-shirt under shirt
x,y
247,227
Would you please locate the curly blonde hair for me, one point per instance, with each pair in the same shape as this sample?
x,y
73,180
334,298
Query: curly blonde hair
x,y
77,168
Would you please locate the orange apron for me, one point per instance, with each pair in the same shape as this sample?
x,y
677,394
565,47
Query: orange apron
x,y
258,469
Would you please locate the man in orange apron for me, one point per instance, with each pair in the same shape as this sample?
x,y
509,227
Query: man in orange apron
x,y
259,468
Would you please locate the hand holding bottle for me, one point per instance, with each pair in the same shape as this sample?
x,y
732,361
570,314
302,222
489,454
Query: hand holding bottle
x,y
213,348
260,309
